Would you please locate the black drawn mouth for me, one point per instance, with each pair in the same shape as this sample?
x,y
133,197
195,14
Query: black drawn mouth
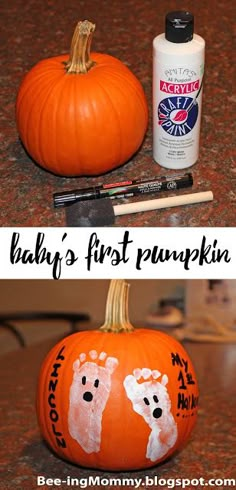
x,y
88,396
157,413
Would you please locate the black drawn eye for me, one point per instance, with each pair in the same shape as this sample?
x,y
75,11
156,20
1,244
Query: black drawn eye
x,y
84,380
155,399
146,401
96,383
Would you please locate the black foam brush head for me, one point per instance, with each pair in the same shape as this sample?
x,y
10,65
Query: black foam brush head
x,y
97,212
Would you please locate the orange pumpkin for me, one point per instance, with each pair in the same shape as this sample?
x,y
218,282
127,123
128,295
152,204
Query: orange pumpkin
x,y
82,116
117,398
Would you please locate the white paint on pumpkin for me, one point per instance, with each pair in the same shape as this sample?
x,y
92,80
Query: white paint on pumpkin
x,y
146,373
93,354
88,396
151,400
82,357
102,356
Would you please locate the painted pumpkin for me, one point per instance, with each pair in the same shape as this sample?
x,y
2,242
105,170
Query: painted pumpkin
x,y
117,398
82,116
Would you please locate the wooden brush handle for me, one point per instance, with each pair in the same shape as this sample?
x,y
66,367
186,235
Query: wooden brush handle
x,y
165,202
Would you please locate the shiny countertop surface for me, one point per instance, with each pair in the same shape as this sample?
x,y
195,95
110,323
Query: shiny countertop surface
x,y
31,31
210,452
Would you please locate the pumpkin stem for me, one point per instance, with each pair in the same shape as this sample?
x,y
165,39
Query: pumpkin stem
x,y
117,314
79,60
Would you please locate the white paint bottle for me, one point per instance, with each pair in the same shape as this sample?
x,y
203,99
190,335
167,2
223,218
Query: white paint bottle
x,y
178,67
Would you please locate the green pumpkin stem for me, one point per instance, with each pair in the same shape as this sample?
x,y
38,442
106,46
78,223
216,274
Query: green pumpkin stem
x,y
79,60
117,314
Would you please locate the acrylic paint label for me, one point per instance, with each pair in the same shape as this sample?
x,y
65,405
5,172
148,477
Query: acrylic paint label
x,y
177,115
176,119
178,88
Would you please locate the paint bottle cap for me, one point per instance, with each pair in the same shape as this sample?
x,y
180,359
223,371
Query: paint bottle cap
x,y
179,26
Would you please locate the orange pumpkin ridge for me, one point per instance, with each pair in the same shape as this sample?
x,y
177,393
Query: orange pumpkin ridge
x,y
117,398
85,115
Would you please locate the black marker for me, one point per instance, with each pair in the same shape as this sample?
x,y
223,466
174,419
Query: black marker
x,y
128,188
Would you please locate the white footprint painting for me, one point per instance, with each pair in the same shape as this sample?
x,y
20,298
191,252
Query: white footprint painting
x,y
89,393
151,400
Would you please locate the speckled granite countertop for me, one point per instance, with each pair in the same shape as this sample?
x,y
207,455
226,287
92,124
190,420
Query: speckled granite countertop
x,y
210,452
34,30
